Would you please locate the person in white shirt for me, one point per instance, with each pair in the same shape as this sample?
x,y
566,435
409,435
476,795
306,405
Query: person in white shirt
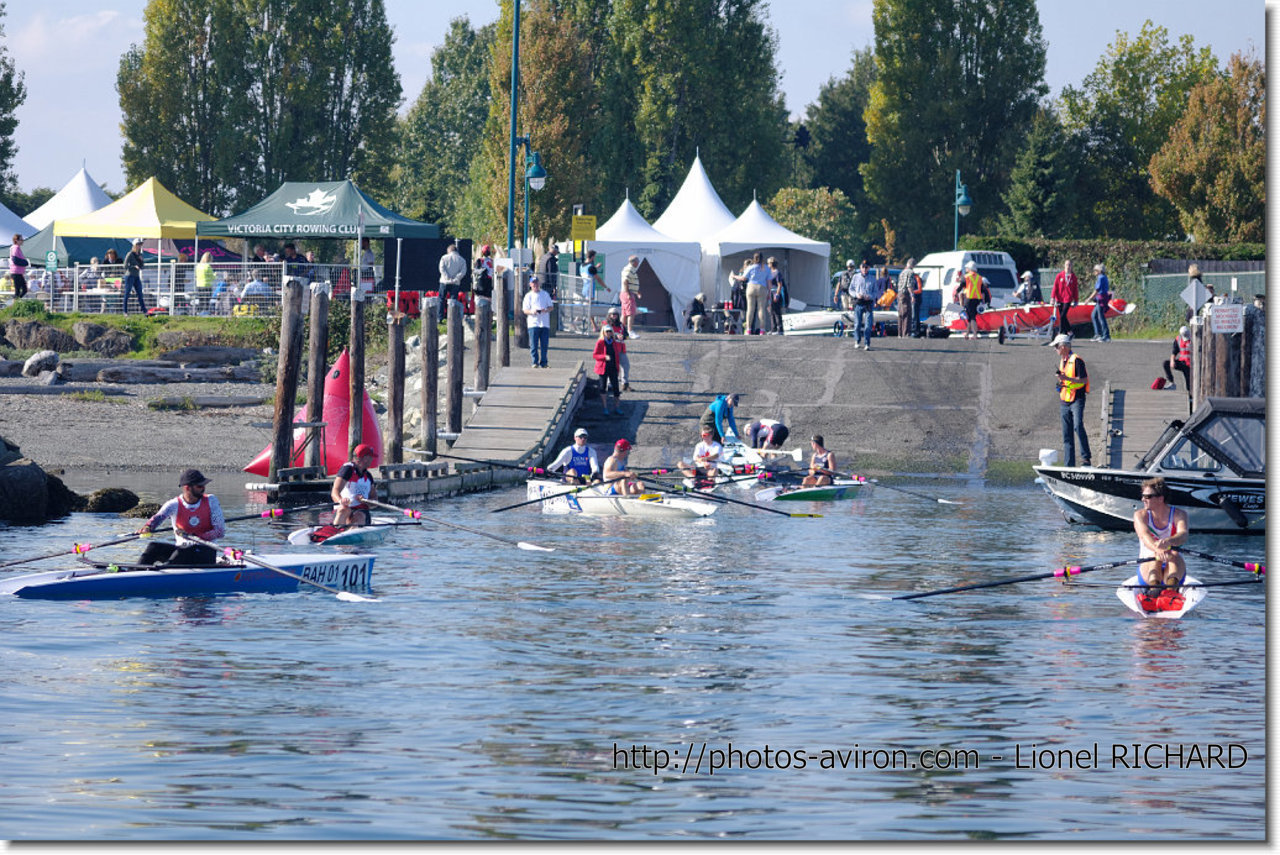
x,y
706,458
578,462
453,267
537,309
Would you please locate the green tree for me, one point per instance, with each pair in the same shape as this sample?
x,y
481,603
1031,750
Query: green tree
x,y
24,203
1041,197
184,103
955,81
13,92
441,132
838,129
821,214
1123,112
1213,166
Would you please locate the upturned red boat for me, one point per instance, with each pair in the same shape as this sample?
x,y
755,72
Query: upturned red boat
x,y
1030,316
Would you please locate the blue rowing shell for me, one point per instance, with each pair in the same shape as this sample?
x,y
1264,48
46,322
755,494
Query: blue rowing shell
x,y
344,572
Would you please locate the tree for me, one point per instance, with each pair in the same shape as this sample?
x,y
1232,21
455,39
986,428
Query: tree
x,y
13,92
1213,166
838,129
24,203
1123,112
821,214
185,105
441,132
1041,198
954,82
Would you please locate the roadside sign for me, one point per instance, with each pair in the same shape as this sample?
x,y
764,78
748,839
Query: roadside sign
x,y
584,228
51,260
1195,295
1226,318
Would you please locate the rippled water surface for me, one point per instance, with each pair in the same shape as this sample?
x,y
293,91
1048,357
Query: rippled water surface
x,y
494,693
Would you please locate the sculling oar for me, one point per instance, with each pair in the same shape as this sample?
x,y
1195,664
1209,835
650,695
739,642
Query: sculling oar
x,y
1066,572
418,515
715,497
241,555
913,493
1257,569
536,470
83,548
528,502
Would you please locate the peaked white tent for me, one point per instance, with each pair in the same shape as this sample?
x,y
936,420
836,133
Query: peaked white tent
x,y
79,196
696,213
11,224
803,261
674,263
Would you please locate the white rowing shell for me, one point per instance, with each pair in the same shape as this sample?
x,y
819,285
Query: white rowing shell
x,y
1128,594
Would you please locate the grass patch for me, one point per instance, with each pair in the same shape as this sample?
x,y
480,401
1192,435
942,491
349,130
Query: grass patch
x,y
1009,473
183,404
95,396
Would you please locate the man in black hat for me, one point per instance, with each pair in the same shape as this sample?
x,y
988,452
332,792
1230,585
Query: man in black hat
x,y
194,512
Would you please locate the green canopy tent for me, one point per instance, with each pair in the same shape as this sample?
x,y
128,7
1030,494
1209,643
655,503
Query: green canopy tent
x,y
317,209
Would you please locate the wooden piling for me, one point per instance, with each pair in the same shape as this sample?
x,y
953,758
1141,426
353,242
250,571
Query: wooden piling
x,y
453,358
430,372
522,322
287,367
394,440
316,369
355,429
484,320
503,311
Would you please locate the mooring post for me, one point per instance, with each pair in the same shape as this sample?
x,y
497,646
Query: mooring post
x,y
430,373
287,367
453,356
316,368
394,440
502,308
355,430
484,320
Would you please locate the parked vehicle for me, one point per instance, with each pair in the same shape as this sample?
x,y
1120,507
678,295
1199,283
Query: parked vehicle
x,y
938,271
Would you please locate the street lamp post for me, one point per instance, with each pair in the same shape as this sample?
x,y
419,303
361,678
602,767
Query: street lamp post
x,y
535,178
963,206
515,86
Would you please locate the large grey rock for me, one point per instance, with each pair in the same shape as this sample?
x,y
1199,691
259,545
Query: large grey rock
x,y
86,332
112,343
111,500
45,360
10,367
24,493
33,335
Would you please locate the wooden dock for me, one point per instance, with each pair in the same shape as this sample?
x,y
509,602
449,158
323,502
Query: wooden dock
x,y
1134,419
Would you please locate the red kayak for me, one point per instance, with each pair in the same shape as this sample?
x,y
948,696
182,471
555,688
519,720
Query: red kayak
x,y
336,413
1033,316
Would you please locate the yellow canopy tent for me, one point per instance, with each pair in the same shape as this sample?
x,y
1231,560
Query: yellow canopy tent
x,y
149,211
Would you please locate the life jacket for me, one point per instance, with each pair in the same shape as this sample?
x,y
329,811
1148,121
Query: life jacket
x,y
197,520
1068,390
1184,350
972,286
579,461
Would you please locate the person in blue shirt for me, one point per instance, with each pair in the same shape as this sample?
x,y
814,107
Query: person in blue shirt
x,y
719,417
578,462
1101,299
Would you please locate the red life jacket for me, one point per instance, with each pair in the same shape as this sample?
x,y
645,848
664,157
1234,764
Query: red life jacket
x,y
197,520
1184,350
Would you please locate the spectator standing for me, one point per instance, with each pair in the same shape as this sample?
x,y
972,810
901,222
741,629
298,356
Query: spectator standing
x,y
1073,387
971,291
862,290
133,276
1022,294
1180,360
841,299
1065,294
778,297
482,275
260,255
620,336
550,268
453,269
18,265
204,281
366,264
591,281
537,310
1101,300
606,357
630,293
755,278
295,265
910,290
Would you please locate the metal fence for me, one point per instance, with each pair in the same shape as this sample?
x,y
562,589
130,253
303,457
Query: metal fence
x,y
1159,297
579,311
235,289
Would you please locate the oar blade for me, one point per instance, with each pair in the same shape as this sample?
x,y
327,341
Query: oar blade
x,y
533,547
348,597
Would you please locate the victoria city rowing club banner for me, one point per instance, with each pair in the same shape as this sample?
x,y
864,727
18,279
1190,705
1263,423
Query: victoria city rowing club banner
x,y
318,209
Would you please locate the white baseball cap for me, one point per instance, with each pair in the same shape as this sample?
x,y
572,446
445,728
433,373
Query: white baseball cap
x,y
1062,339
581,432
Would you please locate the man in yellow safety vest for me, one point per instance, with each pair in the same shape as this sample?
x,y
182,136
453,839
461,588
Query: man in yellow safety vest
x,y
1073,387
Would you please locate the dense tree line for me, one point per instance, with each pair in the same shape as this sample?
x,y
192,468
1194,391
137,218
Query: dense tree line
x,y
224,99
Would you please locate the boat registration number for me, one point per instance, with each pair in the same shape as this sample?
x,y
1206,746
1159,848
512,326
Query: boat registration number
x,y
346,575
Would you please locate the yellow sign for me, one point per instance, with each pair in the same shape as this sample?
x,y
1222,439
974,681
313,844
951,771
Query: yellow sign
x,y
584,228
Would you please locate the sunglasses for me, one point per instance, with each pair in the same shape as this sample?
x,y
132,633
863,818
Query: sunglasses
x,y
1151,495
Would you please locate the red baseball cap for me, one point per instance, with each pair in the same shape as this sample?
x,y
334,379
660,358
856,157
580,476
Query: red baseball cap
x,y
622,445
362,450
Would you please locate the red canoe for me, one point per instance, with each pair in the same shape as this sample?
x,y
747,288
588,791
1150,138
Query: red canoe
x,y
336,413
1036,315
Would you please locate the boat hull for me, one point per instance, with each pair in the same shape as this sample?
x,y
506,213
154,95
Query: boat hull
x,y
1128,594
1031,316
593,503
365,535
343,572
844,489
1107,498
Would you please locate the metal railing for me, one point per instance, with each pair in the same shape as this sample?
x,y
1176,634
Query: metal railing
x,y
579,306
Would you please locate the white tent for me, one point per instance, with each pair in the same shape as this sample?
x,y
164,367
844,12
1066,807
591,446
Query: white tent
x,y
81,195
674,263
697,214
803,261
11,224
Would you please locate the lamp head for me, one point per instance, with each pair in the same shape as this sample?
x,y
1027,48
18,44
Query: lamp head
x,y
963,203
536,175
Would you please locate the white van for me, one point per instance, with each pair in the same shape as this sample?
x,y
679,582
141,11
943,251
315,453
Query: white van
x,y
938,272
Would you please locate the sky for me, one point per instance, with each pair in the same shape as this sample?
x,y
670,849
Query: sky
x,y
69,51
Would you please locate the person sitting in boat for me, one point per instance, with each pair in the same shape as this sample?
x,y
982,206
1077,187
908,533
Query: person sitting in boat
x,y
767,433
621,481
351,486
706,461
719,417
822,465
578,462
1160,528
195,513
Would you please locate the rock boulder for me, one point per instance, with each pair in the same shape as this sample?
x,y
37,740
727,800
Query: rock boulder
x,y
45,360
33,335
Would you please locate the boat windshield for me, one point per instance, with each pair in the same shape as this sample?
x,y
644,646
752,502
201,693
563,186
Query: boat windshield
x,y
1241,440
1186,455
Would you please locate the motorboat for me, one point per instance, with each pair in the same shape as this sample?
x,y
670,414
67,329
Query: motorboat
x,y
1214,465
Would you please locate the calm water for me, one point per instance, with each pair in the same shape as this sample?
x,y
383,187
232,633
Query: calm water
x,y
484,695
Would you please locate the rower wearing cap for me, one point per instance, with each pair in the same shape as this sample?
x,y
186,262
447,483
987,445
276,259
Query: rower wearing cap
x,y
621,480
706,460
579,461
351,486
1160,529
195,513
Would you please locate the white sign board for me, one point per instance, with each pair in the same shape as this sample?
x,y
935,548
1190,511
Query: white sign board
x,y
1226,318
